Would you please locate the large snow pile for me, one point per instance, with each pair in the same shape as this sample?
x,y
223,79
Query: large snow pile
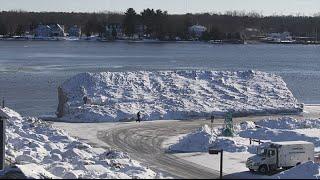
x,y
309,170
199,140
285,129
289,123
204,138
41,151
114,96
282,129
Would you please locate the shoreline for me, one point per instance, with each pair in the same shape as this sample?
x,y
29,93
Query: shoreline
x,y
226,42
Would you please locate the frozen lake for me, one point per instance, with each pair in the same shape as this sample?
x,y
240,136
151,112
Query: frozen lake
x,y
30,72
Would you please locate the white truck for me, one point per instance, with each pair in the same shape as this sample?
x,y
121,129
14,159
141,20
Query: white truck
x,y
274,155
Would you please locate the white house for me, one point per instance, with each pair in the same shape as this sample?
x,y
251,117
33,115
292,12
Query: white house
x,y
197,30
74,31
251,33
279,37
57,30
54,30
43,31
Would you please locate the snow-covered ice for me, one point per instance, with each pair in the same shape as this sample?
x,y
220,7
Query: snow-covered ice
x,y
42,151
114,96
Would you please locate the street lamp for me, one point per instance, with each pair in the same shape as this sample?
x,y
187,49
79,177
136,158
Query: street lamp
x,y
215,152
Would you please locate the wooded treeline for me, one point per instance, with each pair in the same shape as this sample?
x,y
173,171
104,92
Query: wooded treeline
x,y
159,23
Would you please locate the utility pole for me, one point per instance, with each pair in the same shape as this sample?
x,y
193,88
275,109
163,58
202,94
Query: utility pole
x,y
2,142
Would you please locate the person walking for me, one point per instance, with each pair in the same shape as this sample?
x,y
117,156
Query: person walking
x,y
85,100
138,117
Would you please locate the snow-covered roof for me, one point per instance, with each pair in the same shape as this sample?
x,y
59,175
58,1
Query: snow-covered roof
x,y
198,28
292,143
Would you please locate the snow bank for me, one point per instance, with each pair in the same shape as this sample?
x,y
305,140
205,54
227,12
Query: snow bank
x,y
282,129
199,140
204,138
289,123
285,129
41,151
9,113
114,96
309,170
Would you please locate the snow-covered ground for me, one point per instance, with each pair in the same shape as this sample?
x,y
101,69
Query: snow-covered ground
x,y
41,151
237,149
116,96
309,170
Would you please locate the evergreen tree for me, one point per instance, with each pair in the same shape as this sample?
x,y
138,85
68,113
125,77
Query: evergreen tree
x,y
114,33
161,27
20,30
3,28
101,29
87,29
148,19
129,22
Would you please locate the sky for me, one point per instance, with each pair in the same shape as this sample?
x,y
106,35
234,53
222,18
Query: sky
x,y
266,7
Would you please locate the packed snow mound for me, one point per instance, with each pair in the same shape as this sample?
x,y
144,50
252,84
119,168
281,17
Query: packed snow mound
x,y
41,151
7,113
114,96
228,144
199,140
289,123
308,170
285,129
203,139
277,130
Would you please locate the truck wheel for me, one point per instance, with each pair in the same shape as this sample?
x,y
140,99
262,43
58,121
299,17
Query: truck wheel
x,y
263,169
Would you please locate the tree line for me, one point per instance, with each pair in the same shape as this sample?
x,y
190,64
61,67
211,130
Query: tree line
x,y
160,24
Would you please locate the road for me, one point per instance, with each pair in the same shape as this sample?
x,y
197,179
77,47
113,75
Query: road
x,y
143,141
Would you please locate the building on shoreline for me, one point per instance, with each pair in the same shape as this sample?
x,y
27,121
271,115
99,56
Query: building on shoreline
x,y
197,30
42,31
53,30
139,29
74,31
114,31
279,37
252,34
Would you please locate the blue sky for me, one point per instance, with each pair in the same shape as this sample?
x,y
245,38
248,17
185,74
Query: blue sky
x,y
266,7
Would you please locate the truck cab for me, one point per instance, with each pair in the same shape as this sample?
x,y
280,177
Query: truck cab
x,y
274,155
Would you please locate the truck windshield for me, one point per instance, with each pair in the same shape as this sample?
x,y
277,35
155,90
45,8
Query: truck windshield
x,y
262,152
